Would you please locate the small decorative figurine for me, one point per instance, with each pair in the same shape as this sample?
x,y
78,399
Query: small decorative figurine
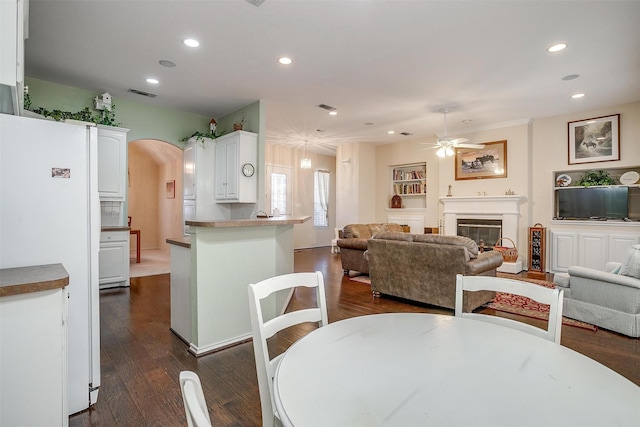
x,y
449,193
213,125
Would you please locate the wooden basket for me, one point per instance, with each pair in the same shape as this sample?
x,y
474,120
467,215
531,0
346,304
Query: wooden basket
x,y
508,254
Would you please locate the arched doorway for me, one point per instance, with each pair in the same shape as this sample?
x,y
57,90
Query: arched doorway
x,y
154,202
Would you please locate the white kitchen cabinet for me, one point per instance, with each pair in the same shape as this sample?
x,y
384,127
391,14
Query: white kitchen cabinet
x,y
198,178
114,259
112,163
233,152
587,249
13,21
189,170
33,346
415,222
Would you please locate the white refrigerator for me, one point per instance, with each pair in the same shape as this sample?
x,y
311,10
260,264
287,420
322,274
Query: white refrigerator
x,y
50,213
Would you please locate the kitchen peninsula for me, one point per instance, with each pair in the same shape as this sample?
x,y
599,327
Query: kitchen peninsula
x,y
210,271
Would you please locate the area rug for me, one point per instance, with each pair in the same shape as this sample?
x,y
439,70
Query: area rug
x,y
516,304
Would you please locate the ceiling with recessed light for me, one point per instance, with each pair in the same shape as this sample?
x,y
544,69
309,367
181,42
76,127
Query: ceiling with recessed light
x,y
383,66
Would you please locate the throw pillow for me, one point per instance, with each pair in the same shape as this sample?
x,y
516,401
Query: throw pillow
x,y
631,264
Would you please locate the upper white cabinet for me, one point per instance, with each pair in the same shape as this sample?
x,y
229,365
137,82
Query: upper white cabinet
x,y
198,163
235,168
14,23
189,170
112,163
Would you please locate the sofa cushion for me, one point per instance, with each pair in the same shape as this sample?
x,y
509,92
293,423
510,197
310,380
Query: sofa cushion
x,y
470,245
367,231
631,264
394,235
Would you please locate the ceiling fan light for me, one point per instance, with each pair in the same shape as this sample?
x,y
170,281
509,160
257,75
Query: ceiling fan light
x,y
441,152
448,151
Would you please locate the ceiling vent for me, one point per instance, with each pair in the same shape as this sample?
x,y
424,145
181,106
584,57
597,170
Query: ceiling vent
x,y
256,3
142,93
405,133
327,107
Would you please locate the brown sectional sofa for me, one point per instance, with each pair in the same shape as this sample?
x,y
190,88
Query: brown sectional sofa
x,y
354,242
423,267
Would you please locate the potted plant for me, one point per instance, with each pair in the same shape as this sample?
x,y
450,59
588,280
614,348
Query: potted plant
x,y
596,178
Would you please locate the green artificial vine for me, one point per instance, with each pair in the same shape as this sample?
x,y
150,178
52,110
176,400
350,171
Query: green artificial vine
x,y
105,117
200,136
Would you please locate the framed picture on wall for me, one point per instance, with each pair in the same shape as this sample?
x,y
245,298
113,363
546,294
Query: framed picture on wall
x,y
594,140
171,189
482,163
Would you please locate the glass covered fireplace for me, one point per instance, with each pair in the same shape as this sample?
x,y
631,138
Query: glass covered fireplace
x,y
485,232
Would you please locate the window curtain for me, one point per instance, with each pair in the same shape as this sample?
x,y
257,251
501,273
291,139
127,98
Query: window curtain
x,y
323,192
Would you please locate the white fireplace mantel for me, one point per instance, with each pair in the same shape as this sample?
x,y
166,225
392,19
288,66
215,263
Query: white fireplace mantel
x,y
481,205
505,208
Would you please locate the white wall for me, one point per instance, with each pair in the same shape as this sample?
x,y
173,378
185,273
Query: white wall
x,y
356,181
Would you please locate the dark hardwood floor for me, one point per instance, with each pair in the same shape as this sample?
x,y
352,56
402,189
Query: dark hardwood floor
x,y
141,358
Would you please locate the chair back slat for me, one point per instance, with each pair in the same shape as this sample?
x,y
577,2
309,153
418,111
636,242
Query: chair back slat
x,y
541,294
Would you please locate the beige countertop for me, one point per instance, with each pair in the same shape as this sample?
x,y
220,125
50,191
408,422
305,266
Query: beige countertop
x,y
254,222
184,241
23,280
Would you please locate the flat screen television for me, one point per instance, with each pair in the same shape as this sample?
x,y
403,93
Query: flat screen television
x,y
593,202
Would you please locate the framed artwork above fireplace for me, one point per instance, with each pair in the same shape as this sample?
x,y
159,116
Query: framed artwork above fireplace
x,y
482,163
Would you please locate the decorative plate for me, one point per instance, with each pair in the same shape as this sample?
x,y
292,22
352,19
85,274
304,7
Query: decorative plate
x,y
629,178
563,180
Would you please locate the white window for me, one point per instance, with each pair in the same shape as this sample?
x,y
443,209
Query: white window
x,y
279,189
321,198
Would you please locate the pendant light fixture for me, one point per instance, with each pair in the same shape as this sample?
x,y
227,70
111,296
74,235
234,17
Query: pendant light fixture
x,y
305,162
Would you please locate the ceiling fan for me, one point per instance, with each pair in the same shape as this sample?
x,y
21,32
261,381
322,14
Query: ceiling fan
x,y
445,144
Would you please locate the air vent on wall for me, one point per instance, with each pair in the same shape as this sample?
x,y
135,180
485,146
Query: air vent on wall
x,y
327,107
142,93
256,3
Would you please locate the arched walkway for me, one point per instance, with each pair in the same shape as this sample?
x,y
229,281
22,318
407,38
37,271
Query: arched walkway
x,y
154,202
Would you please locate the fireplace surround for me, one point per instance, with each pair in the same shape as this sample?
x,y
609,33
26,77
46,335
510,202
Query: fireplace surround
x,y
503,208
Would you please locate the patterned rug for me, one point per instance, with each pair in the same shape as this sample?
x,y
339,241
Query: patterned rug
x,y
516,304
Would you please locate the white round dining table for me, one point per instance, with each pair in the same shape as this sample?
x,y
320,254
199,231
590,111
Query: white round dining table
x,y
410,369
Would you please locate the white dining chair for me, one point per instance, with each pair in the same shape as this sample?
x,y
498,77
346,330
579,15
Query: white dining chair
x,y
264,329
552,297
195,405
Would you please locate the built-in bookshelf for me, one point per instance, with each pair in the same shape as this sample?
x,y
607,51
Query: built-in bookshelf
x,y
409,181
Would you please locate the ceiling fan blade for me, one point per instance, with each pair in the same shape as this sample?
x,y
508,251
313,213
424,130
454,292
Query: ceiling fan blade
x,y
478,146
458,141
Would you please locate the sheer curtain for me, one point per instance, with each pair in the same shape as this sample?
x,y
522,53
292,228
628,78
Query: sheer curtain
x,y
321,217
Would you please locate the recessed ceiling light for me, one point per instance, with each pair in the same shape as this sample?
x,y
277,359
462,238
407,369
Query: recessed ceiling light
x,y
333,113
191,42
391,132
557,47
167,63
285,61
153,81
577,95
571,77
